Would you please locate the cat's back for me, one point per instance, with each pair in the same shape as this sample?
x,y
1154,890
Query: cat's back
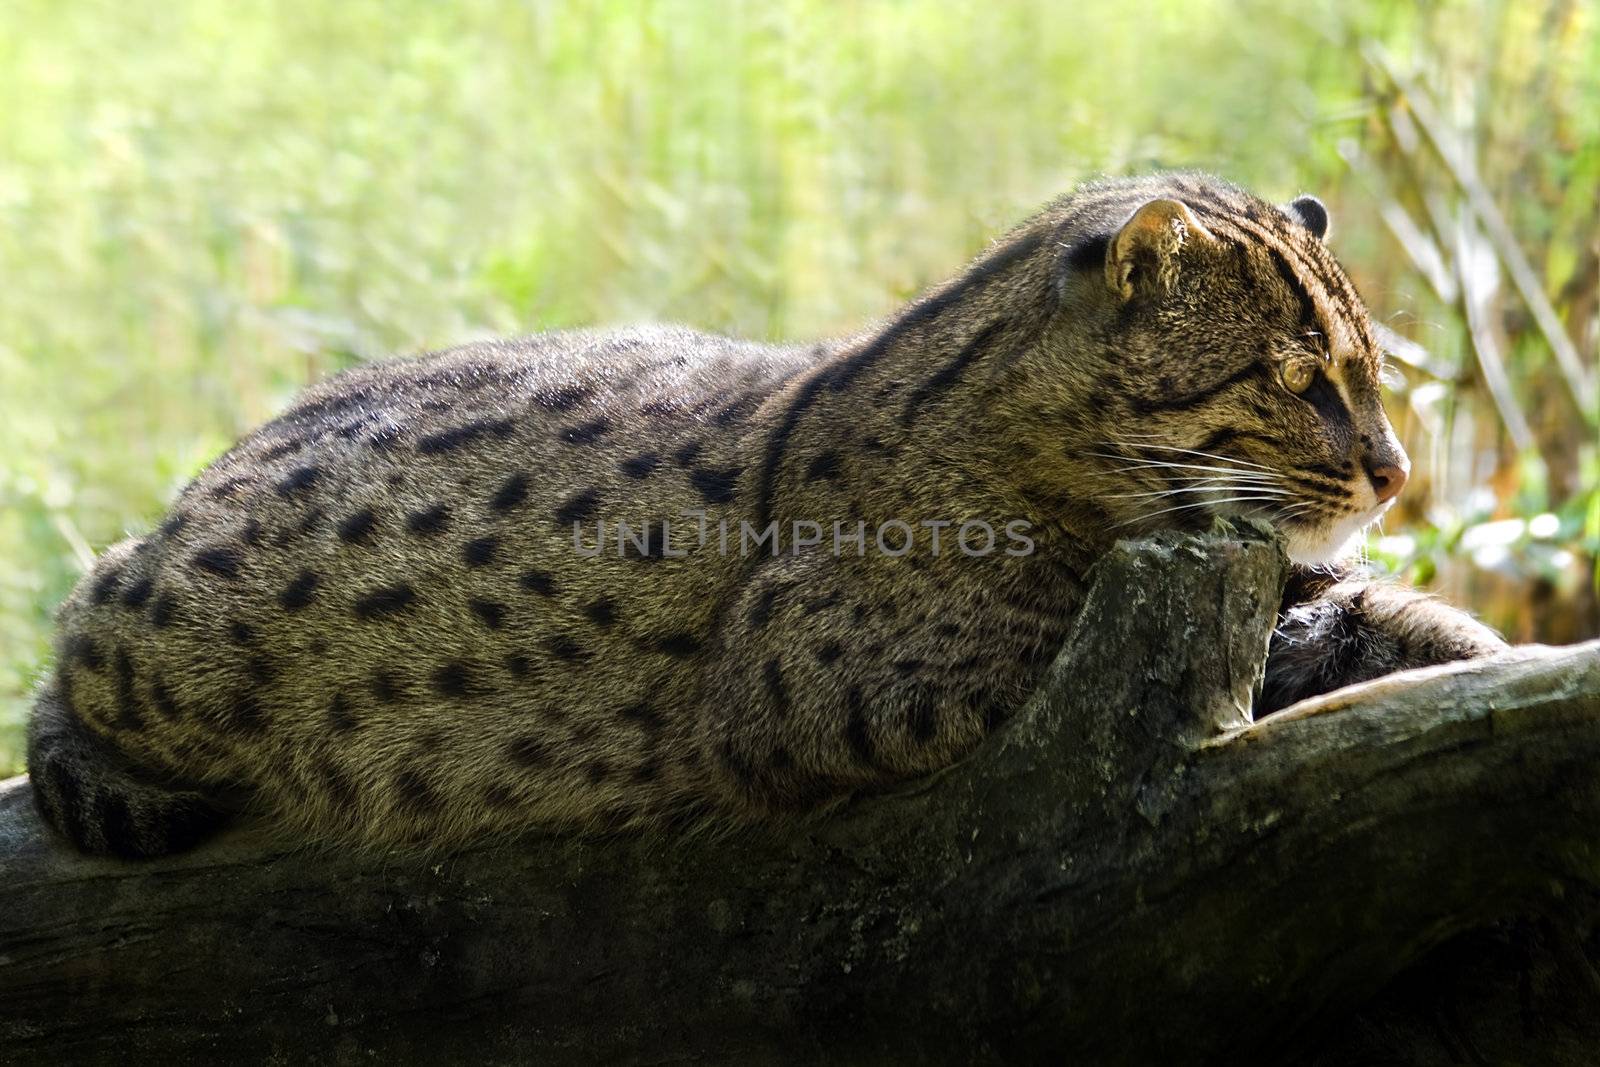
x,y
401,540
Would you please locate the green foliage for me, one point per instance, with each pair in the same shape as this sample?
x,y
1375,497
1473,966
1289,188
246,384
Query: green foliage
x,y
204,205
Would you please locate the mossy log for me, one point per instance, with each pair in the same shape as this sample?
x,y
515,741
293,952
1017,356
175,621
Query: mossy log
x,y
1129,871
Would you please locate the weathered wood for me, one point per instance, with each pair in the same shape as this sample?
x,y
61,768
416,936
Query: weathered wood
x,y
1130,869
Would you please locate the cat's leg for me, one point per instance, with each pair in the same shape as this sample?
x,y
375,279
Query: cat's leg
x,y
1339,631
836,679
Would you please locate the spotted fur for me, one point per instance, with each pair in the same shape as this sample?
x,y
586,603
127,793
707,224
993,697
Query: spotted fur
x,y
370,620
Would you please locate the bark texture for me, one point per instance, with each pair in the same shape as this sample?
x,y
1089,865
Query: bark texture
x,y
1130,871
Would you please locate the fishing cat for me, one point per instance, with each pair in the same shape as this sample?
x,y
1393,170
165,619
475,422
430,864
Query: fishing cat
x,y
608,579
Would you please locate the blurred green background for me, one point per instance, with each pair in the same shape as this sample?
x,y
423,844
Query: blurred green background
x,y
206,204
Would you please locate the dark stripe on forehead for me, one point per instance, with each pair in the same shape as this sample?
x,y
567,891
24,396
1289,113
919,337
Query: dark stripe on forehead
x,y
1315,255
1266,225
1355,309
1311,316
1322,266
1311,320
838,376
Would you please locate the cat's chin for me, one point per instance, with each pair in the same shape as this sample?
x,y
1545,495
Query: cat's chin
x,y
1325,542
1309,548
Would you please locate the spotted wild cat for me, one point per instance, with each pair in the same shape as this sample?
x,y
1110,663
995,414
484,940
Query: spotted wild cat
x,y
395,613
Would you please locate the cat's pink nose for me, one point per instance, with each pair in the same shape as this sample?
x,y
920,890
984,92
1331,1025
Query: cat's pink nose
x,y
1387,481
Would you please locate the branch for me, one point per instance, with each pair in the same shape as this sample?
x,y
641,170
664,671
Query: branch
x,y
1130,869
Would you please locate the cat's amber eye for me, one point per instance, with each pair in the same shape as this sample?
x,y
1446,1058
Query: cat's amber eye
x,y
1298,376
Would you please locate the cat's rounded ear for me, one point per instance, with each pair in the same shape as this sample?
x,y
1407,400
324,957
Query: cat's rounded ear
x,y
1310,213
1143,257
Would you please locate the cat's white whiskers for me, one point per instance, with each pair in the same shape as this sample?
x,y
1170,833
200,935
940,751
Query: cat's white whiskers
x,y
1196,452
1160,464
1208,486
1196,504
1218,477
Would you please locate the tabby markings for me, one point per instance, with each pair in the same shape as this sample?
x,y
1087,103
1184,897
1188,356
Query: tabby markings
x,y
838,376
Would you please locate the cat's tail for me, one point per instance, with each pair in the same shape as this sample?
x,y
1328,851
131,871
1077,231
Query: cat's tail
x,y
98,800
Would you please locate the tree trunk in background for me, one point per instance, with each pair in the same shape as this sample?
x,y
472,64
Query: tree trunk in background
x,y
1129,871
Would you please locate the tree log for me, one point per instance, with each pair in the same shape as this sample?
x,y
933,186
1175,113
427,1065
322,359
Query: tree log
x,y
1130,870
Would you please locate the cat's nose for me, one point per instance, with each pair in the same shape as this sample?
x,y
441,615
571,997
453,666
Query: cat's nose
x,y
1387,480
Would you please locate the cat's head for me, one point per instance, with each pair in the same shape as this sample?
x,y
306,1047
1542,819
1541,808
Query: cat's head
x,y
1234,369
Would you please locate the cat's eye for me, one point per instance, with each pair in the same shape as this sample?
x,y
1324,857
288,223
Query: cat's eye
x,y
1298,376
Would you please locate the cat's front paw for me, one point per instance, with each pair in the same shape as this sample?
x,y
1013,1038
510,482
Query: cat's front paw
x,y
1357,631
